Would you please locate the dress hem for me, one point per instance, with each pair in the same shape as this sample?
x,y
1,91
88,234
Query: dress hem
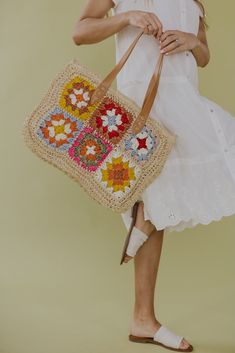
x,y
189,222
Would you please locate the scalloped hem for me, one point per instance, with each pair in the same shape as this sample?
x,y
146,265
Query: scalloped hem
x,y
190,222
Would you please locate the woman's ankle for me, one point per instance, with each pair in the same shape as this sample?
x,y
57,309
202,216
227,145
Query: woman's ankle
x,y
147,325
144,317
147,227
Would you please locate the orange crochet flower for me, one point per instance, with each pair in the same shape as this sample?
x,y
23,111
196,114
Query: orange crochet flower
x,y
118,174
90,149
58,129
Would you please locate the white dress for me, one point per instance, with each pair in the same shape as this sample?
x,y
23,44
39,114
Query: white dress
x,y
197,183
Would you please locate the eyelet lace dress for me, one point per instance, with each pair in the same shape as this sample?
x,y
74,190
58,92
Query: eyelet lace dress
x,y
197,183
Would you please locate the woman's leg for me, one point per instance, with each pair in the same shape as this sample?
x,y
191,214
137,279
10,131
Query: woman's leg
x,y
146,226
146,262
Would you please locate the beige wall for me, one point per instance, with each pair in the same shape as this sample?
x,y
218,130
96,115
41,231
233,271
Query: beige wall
x,y
62,289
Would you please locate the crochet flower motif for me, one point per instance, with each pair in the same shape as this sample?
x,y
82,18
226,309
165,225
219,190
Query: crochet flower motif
x,y
117,173
75,98
142,144
111,120
89,149
58,129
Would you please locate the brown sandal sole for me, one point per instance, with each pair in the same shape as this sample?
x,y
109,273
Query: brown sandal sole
x,y
134,216
151,340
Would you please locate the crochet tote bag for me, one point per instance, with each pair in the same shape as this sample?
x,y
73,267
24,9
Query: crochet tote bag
x,y
98,136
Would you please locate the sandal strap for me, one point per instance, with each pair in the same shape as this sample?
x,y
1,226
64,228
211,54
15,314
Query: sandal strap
x,y
167,337
137,238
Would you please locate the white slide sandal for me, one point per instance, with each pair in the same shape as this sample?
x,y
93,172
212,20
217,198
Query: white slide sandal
x,y
165,338
135,237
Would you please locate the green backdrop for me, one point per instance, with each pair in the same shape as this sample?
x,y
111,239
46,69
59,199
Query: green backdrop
x,y
62,288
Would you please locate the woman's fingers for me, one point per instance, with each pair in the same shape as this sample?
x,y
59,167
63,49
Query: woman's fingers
x,y
178,49
149,27
146,20
158,23
173,47
169,47
171,38
152,24
169,33
172,41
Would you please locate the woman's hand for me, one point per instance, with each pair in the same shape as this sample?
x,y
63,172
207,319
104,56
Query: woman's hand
x,y
174,41
146,20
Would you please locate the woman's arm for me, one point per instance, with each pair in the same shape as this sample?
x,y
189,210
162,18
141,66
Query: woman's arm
x,y
92,25
201,51
187,41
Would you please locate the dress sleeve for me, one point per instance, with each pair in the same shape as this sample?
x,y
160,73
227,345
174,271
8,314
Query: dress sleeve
x,y
200,11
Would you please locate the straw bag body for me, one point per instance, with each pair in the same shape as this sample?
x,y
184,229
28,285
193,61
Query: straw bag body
x,y
99,137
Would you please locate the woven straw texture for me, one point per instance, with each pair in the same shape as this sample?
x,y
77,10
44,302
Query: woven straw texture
x,y
94,144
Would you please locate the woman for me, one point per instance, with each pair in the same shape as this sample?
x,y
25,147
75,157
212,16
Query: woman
x,y
197,184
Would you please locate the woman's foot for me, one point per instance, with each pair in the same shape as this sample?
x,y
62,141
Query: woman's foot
x,y
145,226
148,327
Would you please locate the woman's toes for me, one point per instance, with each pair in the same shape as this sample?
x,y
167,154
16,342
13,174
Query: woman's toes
x,y
184,344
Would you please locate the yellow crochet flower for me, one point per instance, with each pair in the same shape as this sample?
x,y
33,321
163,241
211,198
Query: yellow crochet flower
x,y
118,174
75,98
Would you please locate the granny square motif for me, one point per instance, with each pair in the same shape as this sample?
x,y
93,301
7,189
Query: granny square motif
x,y
89,149
141,145
58,129
75,97
118,174
94,144
111,120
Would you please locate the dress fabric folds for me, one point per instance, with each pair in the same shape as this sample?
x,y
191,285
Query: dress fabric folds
x,y
197,184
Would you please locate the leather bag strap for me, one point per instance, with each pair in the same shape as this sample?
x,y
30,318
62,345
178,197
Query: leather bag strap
x,y
149,97
151,92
